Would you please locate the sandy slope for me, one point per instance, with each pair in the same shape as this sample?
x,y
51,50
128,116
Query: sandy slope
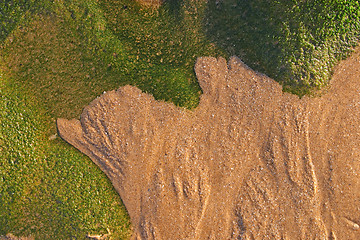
x,y
250,162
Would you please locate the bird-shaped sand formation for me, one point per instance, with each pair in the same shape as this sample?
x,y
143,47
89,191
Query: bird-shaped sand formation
x,y
250,162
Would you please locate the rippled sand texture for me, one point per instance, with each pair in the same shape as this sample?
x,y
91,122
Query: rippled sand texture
x,y
250,162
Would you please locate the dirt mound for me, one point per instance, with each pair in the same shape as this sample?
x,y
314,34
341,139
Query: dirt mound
x,y
250,162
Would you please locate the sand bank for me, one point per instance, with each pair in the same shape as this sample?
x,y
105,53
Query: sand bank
x,y
250,162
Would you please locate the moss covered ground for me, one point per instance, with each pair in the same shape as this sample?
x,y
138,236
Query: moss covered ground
x,y
296,42
56,56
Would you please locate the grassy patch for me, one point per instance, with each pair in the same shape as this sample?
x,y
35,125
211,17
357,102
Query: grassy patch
x,y
11,13
48,189
297,43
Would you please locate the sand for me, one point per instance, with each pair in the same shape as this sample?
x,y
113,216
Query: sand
x,y
250,162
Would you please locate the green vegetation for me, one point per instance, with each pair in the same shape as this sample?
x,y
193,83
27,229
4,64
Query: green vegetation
x,y
10,14
297,42
57,56
47,189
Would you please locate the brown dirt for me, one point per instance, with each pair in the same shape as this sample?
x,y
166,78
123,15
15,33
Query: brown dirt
x,y
13,237
151,3
250,162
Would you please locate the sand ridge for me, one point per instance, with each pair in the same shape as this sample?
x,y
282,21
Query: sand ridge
x,y
250,162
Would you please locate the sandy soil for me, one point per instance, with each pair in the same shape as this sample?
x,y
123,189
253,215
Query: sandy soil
x,y
13,237
250,162
151,3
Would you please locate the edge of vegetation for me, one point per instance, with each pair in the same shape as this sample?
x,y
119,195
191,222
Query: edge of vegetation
x,y
57,56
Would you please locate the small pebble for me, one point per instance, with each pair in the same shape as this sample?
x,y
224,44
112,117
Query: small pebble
x,y
53,137
351,224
